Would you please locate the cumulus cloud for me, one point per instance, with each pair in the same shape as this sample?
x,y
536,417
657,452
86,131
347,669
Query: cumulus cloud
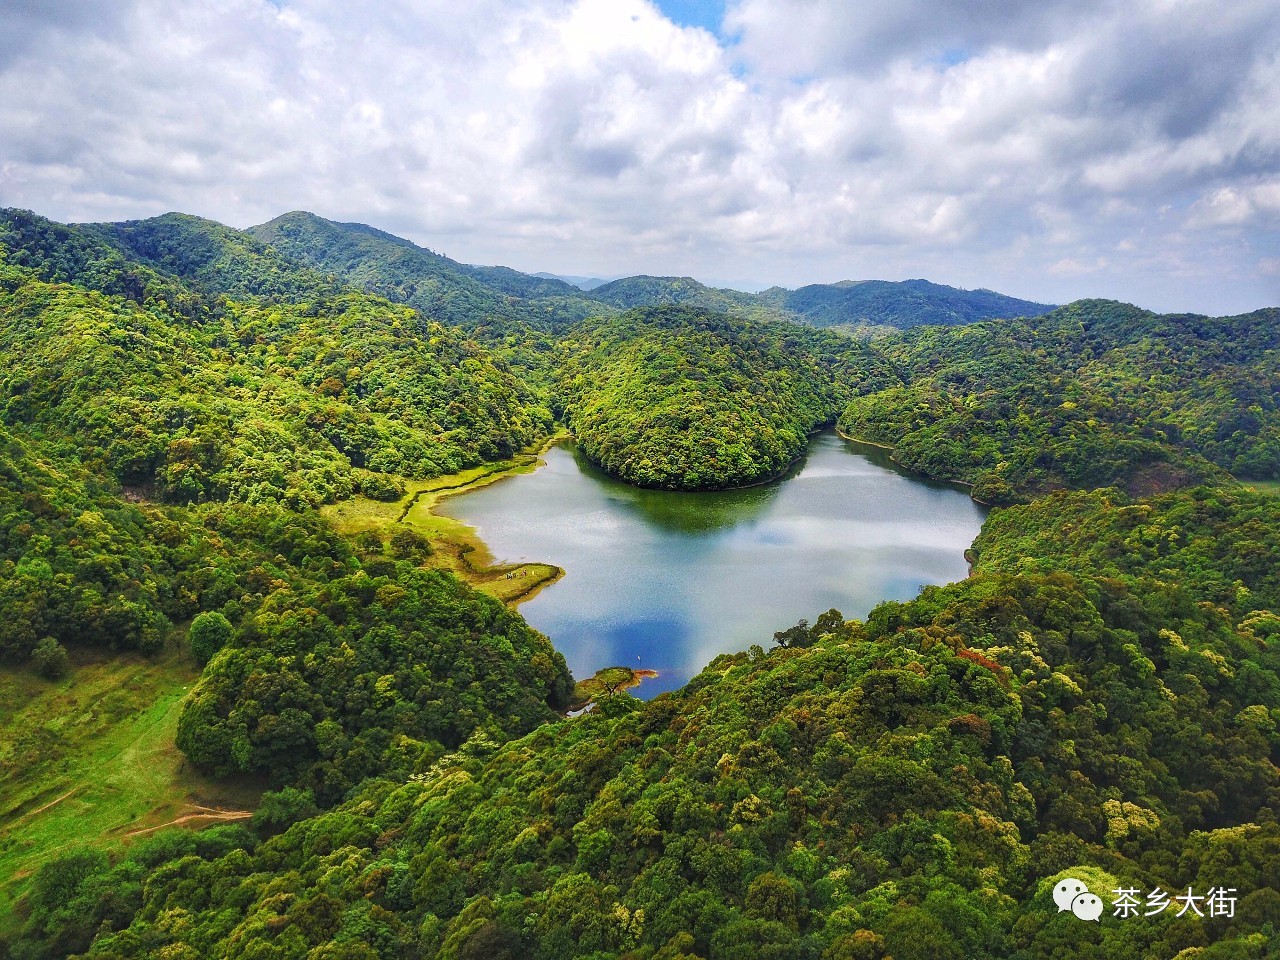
x,y
1052,150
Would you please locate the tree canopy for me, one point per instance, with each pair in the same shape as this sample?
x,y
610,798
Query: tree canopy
x,y
1099,700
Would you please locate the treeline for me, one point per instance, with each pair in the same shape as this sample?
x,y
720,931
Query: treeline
x,y
683,399
1095,394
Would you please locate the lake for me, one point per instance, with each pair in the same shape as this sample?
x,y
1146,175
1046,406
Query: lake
x,y
667,581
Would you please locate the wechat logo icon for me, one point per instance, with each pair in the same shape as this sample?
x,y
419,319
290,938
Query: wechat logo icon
x,y
1071,894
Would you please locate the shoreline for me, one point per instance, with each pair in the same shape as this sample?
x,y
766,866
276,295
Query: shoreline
x,y
471,552
773,478
604,683
454,545
459,547
528,459
884,446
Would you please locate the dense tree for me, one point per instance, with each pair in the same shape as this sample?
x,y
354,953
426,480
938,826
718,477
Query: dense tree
x,y
903,787
1094,394
1100,699
679,398
209,633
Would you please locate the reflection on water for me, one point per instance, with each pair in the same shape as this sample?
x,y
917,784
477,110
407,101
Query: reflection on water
x,y
669,580
683,512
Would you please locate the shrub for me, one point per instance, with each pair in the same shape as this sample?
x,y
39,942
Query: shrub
x,y
209,633
50,659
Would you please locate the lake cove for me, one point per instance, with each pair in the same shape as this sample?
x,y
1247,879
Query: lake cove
x,y
667,581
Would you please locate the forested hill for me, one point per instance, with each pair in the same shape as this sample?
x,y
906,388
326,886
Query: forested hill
x,y
909,303
185,263
1100,700
1094,394
298,396
461,293
684,399
119,374
406,273
851,304
176,401
911,787
642,291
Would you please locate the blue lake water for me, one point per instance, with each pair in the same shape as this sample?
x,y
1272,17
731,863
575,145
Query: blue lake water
x,y
666,581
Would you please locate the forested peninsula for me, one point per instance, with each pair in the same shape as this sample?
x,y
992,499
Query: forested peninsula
x,y
684,399
183,408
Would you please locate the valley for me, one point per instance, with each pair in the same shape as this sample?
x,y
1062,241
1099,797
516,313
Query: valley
x,y
315,446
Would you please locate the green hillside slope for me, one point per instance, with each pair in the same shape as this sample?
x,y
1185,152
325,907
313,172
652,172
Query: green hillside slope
x,y
911,787
441,288
1094,394
909,303
684,399
170,418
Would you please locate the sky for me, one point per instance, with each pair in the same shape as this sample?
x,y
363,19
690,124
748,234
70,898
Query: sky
x,y
1050,150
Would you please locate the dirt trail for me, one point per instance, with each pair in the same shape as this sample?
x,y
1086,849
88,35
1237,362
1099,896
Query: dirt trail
x,y
211,814
39,810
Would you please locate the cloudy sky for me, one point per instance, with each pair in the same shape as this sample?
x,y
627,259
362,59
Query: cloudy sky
x,y
1043,148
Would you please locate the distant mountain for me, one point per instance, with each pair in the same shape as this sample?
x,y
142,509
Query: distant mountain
x,y
909,303
644,291
400,270
582,283
851,303
526,285
460,293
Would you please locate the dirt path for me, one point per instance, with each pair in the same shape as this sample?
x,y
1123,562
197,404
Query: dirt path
x,y
39,810
210,814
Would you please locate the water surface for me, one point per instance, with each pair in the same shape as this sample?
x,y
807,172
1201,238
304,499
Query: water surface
x,y
666,581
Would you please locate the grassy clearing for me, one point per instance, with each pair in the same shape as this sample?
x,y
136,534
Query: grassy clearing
x,y
90,760
1271,487
454,545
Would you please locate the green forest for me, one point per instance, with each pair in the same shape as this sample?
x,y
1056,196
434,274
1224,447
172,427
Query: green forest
x,y
909,303
1095,394
680,398
180,402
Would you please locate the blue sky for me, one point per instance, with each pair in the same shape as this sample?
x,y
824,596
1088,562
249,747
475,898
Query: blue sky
x,y
707,14
1051,150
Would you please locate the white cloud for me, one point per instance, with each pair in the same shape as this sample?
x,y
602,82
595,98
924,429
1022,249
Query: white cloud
x,y
993,144
1069,267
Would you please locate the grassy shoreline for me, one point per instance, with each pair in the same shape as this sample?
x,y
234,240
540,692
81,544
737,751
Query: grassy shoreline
x,y
455,545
